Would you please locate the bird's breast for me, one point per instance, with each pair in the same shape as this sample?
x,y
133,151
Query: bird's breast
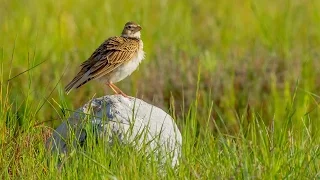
x,y
127,68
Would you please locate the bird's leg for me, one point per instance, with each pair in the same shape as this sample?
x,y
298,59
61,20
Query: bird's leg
x,y
113,89
117,90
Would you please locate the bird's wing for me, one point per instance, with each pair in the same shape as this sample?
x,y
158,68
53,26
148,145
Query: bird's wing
x,y
109,55
114,52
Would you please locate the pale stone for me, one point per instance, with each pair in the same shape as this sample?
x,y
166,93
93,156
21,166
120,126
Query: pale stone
x,y
124,118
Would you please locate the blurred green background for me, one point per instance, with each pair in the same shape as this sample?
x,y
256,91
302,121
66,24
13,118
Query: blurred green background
x,y
246,56
240,78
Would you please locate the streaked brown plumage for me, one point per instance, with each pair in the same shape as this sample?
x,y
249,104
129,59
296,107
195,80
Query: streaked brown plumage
x,y
114,60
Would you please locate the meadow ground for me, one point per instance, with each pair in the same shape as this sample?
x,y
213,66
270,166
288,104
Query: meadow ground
x,y
241,79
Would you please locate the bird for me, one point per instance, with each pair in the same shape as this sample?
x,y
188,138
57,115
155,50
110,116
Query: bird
x,y
115,59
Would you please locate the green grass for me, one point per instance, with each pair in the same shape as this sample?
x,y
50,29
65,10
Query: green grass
x,y
241,79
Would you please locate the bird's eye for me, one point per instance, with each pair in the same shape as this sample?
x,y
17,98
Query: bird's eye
x,y
129,27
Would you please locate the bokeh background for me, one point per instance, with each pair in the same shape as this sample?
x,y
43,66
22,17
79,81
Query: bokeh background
x,y
240,78
234,59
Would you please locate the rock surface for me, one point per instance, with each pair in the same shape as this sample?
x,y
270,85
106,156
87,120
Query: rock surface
x,y
123,118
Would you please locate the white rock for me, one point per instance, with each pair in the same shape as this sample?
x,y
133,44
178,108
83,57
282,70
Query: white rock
x,y
125,118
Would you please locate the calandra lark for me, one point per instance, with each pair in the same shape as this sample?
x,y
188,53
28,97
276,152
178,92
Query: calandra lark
x,y
114,60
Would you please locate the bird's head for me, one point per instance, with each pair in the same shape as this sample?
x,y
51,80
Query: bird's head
x,y
132,30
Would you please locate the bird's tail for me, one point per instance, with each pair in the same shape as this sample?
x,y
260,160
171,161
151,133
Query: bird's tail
x,y
78,81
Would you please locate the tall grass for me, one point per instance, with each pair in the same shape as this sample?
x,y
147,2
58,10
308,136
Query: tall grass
x,y
240,78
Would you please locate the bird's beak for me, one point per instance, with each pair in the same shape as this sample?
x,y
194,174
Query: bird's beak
x,y
138,28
